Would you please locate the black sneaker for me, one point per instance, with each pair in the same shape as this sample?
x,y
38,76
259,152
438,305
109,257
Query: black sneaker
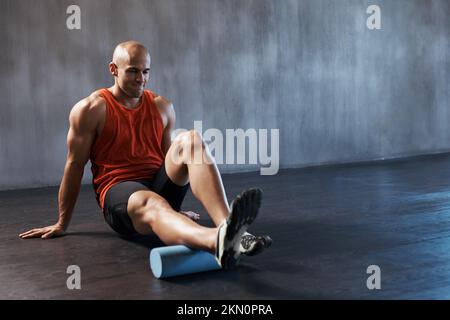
x,y
252,245
244,210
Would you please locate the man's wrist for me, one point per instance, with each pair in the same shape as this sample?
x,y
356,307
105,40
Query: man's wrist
x,y
62,225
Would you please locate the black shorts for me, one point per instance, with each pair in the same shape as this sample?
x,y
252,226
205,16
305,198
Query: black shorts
x,y
116,199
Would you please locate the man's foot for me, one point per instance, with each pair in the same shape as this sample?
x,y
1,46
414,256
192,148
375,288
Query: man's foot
x,y
244,210
252,245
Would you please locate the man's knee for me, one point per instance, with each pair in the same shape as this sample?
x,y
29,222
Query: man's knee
x,y
195,137
189,139
143,206
187,148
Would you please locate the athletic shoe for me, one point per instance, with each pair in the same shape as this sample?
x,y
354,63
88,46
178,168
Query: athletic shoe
x,y
244,210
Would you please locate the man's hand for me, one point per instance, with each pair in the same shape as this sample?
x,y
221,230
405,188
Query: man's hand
x,y
44,233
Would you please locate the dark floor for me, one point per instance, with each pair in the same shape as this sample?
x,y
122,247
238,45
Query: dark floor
x,y
328,225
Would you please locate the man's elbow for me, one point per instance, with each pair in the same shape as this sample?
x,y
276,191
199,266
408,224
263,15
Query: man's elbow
x,y
75,165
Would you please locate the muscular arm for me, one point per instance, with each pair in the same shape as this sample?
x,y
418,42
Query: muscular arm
x,y
168,116
79,141
83,123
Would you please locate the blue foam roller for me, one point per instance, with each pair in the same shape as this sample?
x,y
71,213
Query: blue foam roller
x,y
178,260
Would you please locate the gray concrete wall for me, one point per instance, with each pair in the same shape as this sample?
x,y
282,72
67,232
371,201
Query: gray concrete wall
x,y
337,91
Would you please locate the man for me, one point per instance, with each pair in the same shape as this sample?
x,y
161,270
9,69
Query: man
x,y
140,176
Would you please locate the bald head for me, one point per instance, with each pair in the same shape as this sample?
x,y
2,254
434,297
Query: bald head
x,y
126,52
130,67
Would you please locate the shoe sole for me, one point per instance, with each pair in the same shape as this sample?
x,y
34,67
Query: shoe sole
x,y
262,243
244,210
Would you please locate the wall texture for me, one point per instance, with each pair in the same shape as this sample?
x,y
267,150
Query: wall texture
x,y
337,91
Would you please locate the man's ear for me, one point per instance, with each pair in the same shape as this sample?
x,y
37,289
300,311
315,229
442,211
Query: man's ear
x,y
113,69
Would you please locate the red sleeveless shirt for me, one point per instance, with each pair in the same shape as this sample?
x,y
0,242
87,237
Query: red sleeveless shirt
x,y
129,146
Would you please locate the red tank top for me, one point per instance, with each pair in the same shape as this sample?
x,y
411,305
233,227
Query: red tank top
x,y
129,147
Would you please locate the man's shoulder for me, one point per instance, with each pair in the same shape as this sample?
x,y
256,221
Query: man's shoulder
x,y
92,102
161,101
91,106
165,108
95,100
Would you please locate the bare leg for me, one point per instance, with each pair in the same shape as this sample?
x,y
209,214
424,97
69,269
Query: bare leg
x,y
189,160
150,212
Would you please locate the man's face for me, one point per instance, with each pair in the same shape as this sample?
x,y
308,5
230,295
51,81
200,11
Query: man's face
x,y
132,75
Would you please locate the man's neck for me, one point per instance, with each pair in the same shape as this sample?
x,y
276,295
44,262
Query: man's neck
x,y
123,98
